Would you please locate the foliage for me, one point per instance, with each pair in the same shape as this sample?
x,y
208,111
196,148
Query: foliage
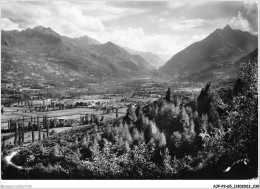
x,y
178,139
168,95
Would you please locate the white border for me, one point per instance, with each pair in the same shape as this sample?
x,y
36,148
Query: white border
x,y
129,183
125,183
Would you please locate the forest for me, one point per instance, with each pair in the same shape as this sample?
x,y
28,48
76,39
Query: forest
x,y
212,135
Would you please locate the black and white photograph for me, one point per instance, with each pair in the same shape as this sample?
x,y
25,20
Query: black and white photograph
x,y
129,91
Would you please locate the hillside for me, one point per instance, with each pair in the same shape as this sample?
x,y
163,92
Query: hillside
x,y
213,57
253,56
121,57
153,59
41,55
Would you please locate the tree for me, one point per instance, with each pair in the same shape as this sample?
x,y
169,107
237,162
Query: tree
x,y
162,141
47,126
136,136
207,104
19,132
22,131
15,133
54,153
151,131
130,116
203,100
39,130
33,134
116,112
183,118
168,95
175,143
94,147
242,122
139,111
239,86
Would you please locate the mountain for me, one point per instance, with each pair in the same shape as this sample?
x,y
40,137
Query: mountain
x,y
153,59
253,56
41,55
88,40
121,57
213,57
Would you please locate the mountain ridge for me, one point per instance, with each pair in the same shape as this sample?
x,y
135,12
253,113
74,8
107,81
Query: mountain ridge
x,y
213,54
68,60
153,59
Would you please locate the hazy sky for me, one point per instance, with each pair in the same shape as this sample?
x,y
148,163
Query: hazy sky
x,y
162,27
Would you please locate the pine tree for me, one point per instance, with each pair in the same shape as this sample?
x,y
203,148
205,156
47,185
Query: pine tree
x,y
76,140
184,120
174,143
19,132
3,144
204,99
139,111
47,125
136,137
126,146
177,102
192,126
15,133
151,144
162,140
39,136
168,95
116,112
130,115
22,132
95,146
33,134
151,131
204,123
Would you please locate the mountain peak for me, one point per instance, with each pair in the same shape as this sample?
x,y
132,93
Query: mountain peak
x,y
109,43
46,31
39,28
221,48
84,37
88,40
227,28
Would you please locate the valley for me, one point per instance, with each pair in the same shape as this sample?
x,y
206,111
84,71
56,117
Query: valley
x,y
76,108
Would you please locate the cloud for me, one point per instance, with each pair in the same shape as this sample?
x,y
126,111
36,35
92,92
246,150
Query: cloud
x,y
62,16
247,18
161,27
148,5
251,15
7,24
240,22
137,38
187,24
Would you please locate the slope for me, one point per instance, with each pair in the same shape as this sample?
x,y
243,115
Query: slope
x,y
211,58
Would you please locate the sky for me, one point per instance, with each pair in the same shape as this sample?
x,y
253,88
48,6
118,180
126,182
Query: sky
x,y
160,27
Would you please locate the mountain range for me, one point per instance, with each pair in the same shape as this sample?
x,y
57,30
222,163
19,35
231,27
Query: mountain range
x,y
153,59
41,55
213,57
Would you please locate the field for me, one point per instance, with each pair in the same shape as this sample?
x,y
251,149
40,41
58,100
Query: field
x,y
59,114
16,112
